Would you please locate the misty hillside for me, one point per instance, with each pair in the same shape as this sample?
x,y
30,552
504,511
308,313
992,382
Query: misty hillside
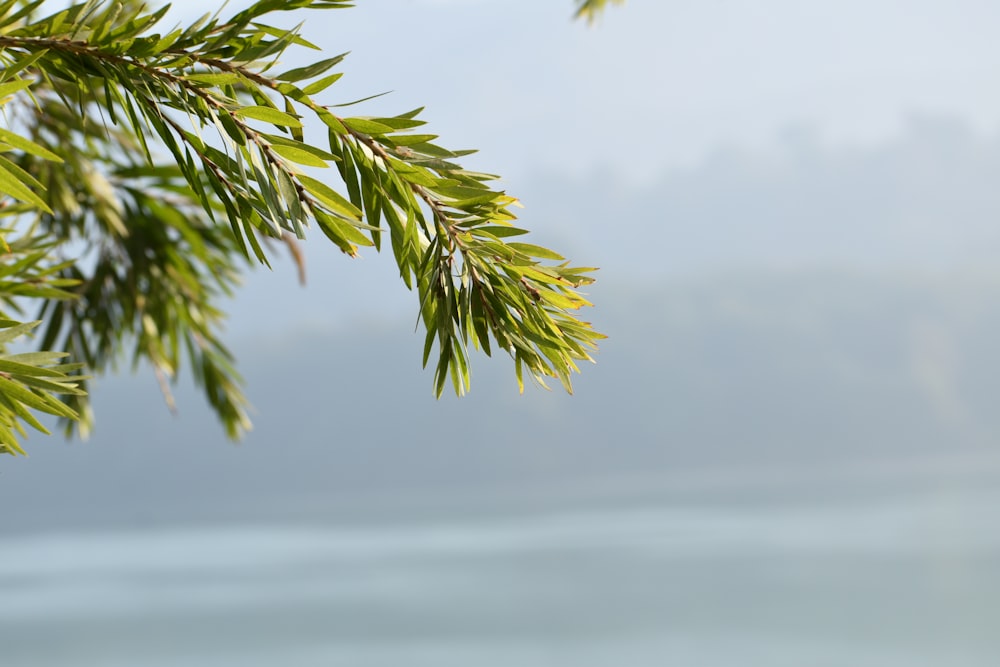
x,y
794,379
925,198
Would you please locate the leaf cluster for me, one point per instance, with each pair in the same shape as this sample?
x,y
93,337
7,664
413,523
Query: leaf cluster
x,y
151,165
30,380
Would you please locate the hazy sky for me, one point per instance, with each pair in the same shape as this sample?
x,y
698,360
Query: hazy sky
x,y
656,87
663,83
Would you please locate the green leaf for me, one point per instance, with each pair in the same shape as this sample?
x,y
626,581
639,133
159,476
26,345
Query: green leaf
x,y
296,132
535,251
278,32
341,231
36,358
10,87
299,155
400,123
20,393
322,84
10,334
16,368
310,71
232,129
22,63
269,115
215,78
275,139
500,231
26,145
367,126
330,198
411,139
13,181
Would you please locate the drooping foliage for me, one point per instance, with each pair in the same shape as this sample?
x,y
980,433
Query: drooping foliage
x,y
142,169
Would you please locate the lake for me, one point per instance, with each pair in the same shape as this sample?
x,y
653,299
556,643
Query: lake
x,y
901,580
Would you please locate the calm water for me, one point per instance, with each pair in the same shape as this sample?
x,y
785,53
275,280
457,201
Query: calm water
x,y
907,581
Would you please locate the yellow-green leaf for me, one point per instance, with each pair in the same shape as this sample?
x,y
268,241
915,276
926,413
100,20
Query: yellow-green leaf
x,y
298,155
269,115
330,198
12,182
26,145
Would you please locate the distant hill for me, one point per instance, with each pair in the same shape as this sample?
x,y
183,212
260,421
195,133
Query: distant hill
x,y
744,383
925,200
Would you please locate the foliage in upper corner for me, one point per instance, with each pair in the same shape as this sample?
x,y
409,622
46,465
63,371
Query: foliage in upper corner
x,y
150,165
591,9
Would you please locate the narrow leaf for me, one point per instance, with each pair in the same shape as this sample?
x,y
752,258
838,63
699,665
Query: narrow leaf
x,y
269,115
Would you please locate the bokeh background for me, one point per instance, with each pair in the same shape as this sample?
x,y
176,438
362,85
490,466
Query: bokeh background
x,y
787,453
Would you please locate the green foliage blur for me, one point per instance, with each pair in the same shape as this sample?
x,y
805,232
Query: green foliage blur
x,y
591,9
143,170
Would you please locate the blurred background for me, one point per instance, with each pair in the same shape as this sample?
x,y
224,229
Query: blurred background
x,y
787,453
